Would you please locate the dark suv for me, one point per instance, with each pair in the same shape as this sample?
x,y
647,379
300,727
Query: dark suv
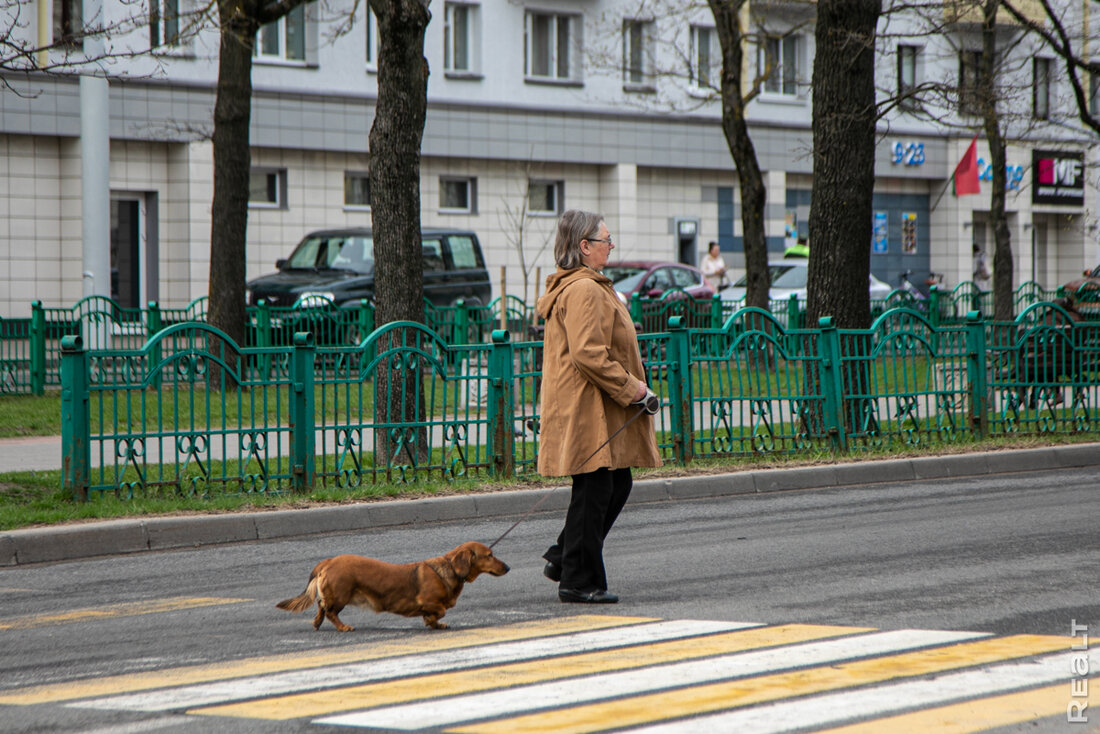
x,y
338,264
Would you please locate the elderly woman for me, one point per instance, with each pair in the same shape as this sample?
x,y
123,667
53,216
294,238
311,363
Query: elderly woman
x,y
593,383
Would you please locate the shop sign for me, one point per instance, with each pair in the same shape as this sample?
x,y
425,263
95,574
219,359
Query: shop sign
x,y
1058,177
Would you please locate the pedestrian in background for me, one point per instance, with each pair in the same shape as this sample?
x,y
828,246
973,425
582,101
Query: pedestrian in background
x,y
593,383
714,267
982,277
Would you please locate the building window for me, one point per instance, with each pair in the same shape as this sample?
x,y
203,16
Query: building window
x,y
907,75
372,39
285,39
68,22
460,38
548,40
636,42
164,23
458,195
704,57
545,197
267,188
356,190
970,69
778,65
1040,89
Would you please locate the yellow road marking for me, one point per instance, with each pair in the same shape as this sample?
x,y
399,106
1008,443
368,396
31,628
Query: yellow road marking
x,y
743,692
116,610
520,673
432,641
973,716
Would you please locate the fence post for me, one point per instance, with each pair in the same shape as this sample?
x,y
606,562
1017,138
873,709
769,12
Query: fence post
x,y
636,308
934,305
716,311
302,439
976,371
38,348
153,325
679,390
794,312
263,335
501,407
832,383
76,449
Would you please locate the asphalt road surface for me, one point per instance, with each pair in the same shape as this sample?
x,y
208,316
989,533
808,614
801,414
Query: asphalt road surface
x,y
958,605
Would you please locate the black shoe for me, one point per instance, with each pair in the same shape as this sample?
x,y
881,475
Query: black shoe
x,y
552,571
575,596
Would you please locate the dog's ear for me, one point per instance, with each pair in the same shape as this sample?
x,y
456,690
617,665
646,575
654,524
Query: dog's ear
x,y
462,561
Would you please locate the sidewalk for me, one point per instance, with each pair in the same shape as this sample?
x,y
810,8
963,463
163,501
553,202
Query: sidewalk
x,y
111,537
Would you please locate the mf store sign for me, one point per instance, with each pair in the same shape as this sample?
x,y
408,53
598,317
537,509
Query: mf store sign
x,y
1057,177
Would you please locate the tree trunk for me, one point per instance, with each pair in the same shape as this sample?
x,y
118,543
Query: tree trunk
x,y
395,138
844,117
727,20
232,163
1003,307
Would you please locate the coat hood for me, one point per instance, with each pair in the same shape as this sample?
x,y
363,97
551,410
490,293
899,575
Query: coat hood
x,y
557,281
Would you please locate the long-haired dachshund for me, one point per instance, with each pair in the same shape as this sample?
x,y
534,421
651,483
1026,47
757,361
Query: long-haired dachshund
x,y
423,589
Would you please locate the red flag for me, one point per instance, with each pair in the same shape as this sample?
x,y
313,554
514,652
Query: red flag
x,y
966,173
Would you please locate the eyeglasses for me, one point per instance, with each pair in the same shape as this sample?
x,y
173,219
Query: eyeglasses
x,y
597,239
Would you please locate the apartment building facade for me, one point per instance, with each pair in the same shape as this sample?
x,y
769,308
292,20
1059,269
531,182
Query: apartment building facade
x,y
533,108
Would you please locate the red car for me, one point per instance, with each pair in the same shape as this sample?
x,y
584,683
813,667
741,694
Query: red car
x,y
650,279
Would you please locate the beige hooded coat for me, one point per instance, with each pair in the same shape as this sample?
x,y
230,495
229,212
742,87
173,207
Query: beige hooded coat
x,y
591,370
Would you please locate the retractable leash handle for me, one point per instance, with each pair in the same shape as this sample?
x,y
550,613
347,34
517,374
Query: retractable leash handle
x,y
649,404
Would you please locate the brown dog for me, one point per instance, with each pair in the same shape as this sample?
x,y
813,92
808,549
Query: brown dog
x,y
423,589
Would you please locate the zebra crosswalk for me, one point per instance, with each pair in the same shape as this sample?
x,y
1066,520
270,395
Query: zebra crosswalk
x,y
591,673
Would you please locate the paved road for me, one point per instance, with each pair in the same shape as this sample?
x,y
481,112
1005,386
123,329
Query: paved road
x,y
893,607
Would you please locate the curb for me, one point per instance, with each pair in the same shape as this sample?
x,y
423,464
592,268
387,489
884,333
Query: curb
x,y
112,537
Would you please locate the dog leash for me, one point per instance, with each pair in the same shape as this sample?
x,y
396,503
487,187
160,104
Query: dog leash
x,y
641,409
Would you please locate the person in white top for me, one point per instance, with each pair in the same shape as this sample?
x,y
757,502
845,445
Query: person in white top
x,y
714,267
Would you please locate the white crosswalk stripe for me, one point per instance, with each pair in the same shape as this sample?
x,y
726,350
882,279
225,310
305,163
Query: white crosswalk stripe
x,y
450,711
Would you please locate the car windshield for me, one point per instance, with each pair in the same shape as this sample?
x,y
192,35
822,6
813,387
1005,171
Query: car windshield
x,y
623,278
782,276
337,252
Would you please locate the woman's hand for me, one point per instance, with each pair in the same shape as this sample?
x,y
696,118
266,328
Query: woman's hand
x,y
640,394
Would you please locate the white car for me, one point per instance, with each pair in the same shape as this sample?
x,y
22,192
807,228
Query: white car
x,y
788,277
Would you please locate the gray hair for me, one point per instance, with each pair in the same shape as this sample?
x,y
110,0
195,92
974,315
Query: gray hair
x,y
575,225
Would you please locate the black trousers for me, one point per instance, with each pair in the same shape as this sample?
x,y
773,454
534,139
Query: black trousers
x,y
595,503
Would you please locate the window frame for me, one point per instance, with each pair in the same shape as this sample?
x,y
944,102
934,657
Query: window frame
x,y
471,195
556,187
68,23
359,176
555,48
907,52
695,60
1040,87
370,28
782,76
164,14
637,67
472,39
279,188
281,28
970,70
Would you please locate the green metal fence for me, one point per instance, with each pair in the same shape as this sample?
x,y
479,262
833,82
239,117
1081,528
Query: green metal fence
x,y
189,412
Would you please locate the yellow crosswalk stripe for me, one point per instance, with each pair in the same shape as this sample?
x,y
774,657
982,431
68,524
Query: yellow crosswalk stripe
x,y
188,675
709,698
132,609
972,716
520,673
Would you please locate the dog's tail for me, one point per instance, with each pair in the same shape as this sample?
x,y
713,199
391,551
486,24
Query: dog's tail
x,y
303,601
